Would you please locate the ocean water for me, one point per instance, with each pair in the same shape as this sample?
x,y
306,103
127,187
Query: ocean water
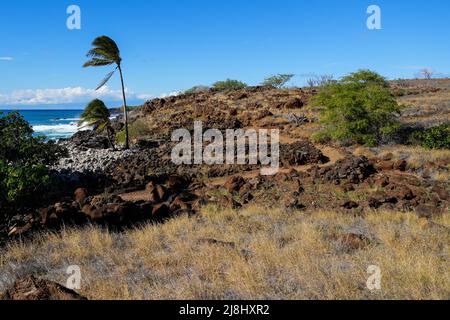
x,y
54,124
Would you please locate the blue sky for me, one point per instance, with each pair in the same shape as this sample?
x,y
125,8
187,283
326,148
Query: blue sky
x,y
169,46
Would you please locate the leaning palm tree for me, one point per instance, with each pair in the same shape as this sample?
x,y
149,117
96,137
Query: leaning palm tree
x,y
105,53
97,115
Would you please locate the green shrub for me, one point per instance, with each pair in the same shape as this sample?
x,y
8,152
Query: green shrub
x,y
23,163
229,84
278,81
19,183
434,138
137,129
359,108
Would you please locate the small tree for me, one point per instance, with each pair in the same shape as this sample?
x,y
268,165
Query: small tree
x,y
229,84
97,115
312,82
319,81
278,81
325,79
427,73
24,161
360,108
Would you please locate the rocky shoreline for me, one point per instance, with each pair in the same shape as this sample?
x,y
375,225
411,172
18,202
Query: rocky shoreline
x,y
83,160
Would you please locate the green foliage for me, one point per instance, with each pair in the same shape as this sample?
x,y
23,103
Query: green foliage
x,y
18,145
229,84
137,129
23,163
97,115
20,184
105,52
434,138
359,108
278,81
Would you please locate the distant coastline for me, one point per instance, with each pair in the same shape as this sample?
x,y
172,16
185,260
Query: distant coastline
x,y
54,123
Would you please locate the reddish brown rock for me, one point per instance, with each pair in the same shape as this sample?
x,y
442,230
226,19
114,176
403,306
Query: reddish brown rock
x,y
427,211
233,184
381,182
352,241
81,195
180,203
154,195
210,241
92,212
348,187
443,193
31,288
43,215
349,205
385,165
18,231
176,183
351,169
404,193
228,202
161,211
443,162
60,213
246,188
387,157
378,198
150,186
291,201
162,192
400,165
294,103
247,197
301,152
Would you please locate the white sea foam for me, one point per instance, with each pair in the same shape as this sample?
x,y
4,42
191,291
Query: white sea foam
x,y
65,119
56,130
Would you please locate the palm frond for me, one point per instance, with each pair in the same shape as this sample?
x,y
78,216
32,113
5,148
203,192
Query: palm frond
x,y
103,54
96,62
106,42
95,114
106,79
89,124
103,126
107,47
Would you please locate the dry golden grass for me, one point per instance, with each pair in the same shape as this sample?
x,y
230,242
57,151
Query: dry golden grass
x,y
276,255
427,109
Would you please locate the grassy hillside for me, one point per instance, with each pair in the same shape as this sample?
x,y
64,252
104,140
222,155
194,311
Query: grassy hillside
x,y
309,232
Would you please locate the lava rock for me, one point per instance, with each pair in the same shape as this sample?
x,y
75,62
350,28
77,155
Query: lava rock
x,y
31,288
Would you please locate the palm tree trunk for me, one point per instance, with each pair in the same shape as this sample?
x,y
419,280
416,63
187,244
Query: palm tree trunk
x,y
110,137
125,111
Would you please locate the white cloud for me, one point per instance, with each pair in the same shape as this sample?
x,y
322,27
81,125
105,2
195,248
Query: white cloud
x,y
145,96
6,58
161,96
170,94
64,95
